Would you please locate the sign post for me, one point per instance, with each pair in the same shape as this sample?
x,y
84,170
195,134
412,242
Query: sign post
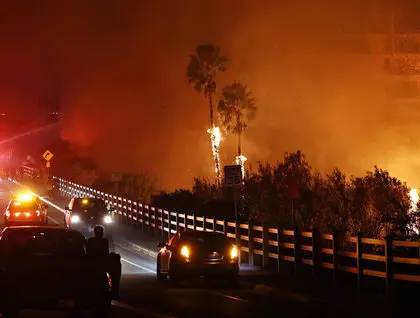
x,y
48,155
233,179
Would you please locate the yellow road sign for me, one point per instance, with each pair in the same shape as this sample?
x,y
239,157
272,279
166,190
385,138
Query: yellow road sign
x,y
48,155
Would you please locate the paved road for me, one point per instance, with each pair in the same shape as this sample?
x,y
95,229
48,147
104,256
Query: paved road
x,y
143,296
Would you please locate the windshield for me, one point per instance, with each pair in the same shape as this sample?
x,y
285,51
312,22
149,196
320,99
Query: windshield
x,y
89,204
41,242
205,239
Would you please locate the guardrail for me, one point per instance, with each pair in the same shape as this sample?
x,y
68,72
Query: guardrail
x,y
358,255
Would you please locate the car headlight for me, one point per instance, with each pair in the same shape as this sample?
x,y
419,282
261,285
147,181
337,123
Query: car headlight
x,y
185,252
75,219
234,253
107,219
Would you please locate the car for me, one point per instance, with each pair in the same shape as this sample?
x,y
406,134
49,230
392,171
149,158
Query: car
x,y
84,213
191,254
46,268
26,209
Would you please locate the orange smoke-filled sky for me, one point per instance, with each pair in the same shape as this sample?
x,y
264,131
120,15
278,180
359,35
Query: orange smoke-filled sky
x,y
126,100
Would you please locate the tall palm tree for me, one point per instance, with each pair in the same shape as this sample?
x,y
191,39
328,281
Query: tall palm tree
x,y
201,71
236,108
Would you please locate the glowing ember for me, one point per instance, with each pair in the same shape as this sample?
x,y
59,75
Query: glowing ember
x,y
240,161
216,138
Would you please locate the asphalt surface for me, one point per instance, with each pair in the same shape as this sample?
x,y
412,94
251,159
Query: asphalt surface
x,y
142,295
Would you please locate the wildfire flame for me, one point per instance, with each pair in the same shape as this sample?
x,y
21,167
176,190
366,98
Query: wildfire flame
x,y
216,138
240,161
414,196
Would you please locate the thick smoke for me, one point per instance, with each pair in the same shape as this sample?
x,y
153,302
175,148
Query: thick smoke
x,y
126,100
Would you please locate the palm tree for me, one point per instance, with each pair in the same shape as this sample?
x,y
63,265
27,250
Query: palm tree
x,y
201,71
236,107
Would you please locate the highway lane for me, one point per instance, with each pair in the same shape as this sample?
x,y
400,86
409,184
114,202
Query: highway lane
x,y
143,296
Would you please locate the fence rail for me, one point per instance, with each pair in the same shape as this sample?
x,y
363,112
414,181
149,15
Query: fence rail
x,y
358,255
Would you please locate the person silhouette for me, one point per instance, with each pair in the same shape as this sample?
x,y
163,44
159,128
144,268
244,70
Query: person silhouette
x,y
97,246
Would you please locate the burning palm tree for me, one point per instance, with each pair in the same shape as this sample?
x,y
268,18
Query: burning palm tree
x,y
201,71
237,108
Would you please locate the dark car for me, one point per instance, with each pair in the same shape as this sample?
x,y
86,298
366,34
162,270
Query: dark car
x,y
189,254
46,268
26,209
85,213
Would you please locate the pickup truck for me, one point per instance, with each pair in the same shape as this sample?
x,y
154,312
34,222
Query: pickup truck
x,y
46,268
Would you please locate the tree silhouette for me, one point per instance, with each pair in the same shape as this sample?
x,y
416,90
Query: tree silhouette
x,y
201,71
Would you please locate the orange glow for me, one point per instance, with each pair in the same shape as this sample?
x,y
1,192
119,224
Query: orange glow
x,y
27,214
234,253
216,138
185,252
25,197
85,201
240,161
17,213
17,203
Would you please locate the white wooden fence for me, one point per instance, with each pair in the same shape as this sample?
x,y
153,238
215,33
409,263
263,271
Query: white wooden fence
x,y
272,246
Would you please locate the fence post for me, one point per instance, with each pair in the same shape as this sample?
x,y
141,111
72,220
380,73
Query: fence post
x,y
130,212
176,221
162,224
334,243
316,252
136,207
359,252
250,244
388,267
156,221
204,224
238,239
194,222
225,227
169,225
297,251
279,250
265,246
141,219
124,211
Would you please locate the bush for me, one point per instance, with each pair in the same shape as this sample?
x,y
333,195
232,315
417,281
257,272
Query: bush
x,y
375,204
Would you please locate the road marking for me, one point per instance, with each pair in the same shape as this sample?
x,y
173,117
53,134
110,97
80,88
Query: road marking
x,y
138,266
54,221
232,297
139,311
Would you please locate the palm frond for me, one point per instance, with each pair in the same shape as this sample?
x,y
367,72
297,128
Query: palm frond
x,y
204,66
236,107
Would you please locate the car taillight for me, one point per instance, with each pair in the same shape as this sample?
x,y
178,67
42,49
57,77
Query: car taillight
x,y
17,213
27,214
